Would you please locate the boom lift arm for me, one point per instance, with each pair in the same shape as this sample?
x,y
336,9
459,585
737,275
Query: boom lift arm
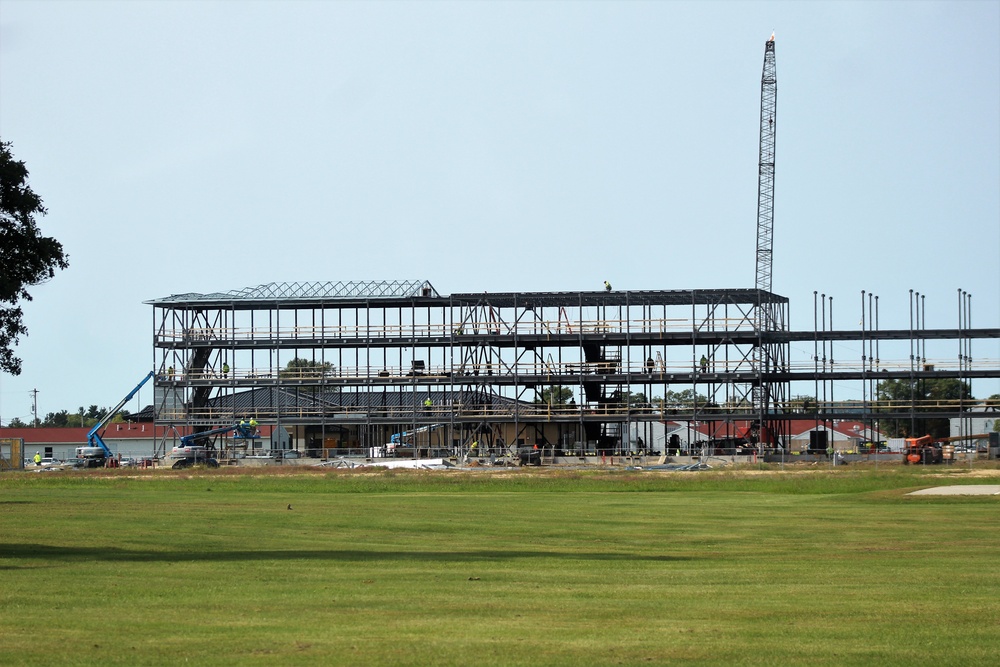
x,y
94,438
243,431
188,453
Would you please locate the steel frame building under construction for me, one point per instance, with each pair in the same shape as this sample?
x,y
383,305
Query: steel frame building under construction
x,y
368,363
347,365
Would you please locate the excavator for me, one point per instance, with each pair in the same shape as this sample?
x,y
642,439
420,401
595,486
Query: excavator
x,y
928,449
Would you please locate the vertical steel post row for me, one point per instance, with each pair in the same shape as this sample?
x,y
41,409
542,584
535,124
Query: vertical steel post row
x,y
831,371
864,378
816,357
276,388
912,379
627,319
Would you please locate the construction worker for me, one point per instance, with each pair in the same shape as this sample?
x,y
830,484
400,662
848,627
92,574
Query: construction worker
x,y
607,286
253,426
704,363
170,372
38,458
650,365
428,404
225,370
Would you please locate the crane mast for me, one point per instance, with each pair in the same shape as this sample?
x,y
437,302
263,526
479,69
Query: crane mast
x,y
766,357
765,183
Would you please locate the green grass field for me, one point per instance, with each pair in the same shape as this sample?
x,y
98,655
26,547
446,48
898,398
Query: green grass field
x,y
484,568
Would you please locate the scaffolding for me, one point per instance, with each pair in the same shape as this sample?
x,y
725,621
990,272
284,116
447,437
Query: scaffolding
x,y
352,362
343,366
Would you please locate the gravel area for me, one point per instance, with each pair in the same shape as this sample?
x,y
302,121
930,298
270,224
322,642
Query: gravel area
x,y
964,490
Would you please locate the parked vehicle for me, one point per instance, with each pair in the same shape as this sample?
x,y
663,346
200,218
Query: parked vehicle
x,y
529,456
190,455
928,449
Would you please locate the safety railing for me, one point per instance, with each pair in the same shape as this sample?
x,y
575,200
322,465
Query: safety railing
x,y
455,330
324,372
527,411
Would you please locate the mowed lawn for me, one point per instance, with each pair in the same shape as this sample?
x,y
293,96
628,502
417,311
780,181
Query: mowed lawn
x,y
485,568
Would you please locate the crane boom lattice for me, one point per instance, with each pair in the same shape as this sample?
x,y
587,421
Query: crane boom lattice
x,y
765,187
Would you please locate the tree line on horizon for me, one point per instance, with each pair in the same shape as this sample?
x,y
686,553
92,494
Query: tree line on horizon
x,y
66,419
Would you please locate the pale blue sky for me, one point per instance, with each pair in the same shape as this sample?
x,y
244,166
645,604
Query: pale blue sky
x,y
200,147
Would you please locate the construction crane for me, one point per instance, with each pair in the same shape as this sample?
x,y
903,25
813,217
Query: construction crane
x,y
764,317
765,183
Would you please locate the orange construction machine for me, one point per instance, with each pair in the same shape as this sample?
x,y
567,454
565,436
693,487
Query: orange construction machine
x,y
928,449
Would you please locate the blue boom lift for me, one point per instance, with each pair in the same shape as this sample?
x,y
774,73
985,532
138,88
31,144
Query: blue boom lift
x,y
188,453
97,453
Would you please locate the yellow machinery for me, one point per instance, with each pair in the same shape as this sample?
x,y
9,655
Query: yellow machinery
x,y
11,453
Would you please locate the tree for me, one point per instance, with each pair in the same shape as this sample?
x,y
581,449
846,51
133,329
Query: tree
x,y
637,399
58,419
65,418
26,257
297,369
947,391
555,395
675,400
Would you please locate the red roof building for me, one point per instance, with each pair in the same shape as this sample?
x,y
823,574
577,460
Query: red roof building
x,y
134,440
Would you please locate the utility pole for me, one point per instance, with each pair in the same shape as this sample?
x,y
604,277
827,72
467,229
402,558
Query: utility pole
x,y
34,407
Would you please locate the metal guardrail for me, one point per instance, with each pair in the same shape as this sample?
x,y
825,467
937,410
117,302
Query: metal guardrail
x,y
499,369
455,329
545,411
